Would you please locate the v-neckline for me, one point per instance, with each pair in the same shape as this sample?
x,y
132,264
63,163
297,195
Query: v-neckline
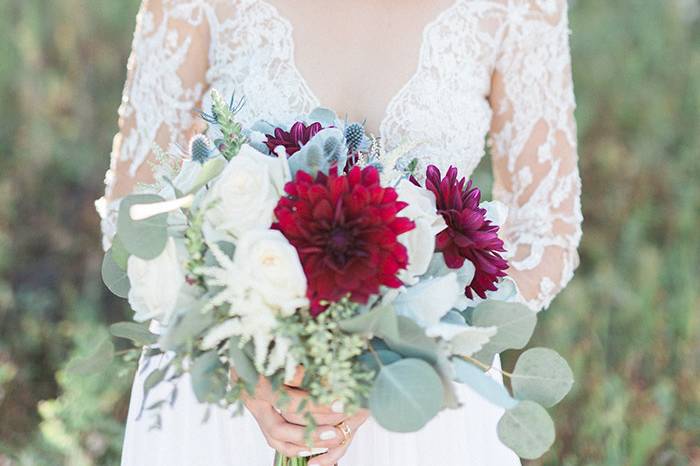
x,y
385,115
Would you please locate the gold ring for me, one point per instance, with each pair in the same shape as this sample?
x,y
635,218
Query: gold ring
x,y
345,430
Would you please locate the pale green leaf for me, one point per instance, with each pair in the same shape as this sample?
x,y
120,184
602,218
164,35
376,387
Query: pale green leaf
x,y
143,238
210,170
483,384
190,325
543,376
119,252
374,360
242,363
406,395
515,323
114,277
381,322
527,429
137,333
208,378
413,342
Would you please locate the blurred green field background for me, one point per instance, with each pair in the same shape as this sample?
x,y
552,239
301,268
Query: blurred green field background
x,y
629,322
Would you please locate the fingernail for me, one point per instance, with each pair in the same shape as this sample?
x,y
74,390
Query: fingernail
x,y
337,407
318,451
327,435
305,454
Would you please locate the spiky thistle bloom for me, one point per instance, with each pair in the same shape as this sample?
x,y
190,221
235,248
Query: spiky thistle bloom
x,y
345,229
469,235
294,139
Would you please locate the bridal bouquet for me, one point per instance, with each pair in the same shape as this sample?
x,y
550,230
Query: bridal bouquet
x,y
304,244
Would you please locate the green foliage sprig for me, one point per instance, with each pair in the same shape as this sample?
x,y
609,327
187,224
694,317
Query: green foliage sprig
x,y
223,115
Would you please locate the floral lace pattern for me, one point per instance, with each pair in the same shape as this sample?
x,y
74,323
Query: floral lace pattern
x,y
498,66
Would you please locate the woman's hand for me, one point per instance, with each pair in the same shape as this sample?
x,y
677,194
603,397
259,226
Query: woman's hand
x,y
285,430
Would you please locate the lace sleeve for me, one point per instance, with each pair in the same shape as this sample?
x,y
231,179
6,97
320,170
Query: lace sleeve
x,y
165,82
534,149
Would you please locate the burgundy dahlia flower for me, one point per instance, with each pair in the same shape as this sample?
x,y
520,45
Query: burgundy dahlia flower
x,y
294,139
345,229
469,235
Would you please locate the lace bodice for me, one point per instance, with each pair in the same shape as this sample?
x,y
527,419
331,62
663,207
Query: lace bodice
x,y
498,67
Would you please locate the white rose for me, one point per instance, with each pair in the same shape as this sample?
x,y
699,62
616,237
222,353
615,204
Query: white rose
x,y
419,242
155,285
244,196
270,266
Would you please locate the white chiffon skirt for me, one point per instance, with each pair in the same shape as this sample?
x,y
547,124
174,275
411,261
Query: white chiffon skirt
x,y
463,437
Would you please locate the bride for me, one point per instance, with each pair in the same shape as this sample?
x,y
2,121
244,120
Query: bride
x,y
444,74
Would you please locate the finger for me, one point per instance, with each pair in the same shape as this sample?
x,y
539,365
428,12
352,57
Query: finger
x,y
297,379
330,458
296,399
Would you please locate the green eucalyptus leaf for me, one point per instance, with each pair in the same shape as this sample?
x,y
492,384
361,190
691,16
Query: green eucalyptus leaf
x,y
483,384
119,252
188,326
515,322
527,429
381,321
413,342
114,277
406,395
543,376
242,363
208,378
142,238
95,362
374,360
137,333
210,170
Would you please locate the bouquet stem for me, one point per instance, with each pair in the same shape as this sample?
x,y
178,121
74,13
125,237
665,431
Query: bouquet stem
x,y
281,460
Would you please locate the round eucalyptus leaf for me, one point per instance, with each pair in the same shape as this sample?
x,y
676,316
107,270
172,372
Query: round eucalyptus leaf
x,y
137,333
114,277
119,252
142,238
381,321
483,384
543,376
515,323
374,360
527,429
413,342
406,395
208,378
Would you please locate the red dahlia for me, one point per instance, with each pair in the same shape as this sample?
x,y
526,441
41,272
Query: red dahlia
x,y
345,229
469,235
294,139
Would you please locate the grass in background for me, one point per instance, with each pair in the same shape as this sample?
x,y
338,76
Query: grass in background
x,y
628,323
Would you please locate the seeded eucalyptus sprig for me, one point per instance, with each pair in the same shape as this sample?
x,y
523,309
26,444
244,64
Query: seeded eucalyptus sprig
x,y
223,115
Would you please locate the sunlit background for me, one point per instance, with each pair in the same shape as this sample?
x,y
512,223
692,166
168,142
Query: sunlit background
x,y
628,323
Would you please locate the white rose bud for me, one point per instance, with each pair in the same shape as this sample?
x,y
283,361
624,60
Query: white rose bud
x,y
244,196
270,266
155,285
419,242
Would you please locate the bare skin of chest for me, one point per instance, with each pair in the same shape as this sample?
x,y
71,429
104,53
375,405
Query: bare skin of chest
x,y
356,56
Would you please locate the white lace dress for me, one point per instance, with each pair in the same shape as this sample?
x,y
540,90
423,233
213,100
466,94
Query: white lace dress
x,y
498,67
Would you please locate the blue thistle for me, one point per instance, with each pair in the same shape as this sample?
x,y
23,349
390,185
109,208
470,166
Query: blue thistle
x,y
354,134
200,148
